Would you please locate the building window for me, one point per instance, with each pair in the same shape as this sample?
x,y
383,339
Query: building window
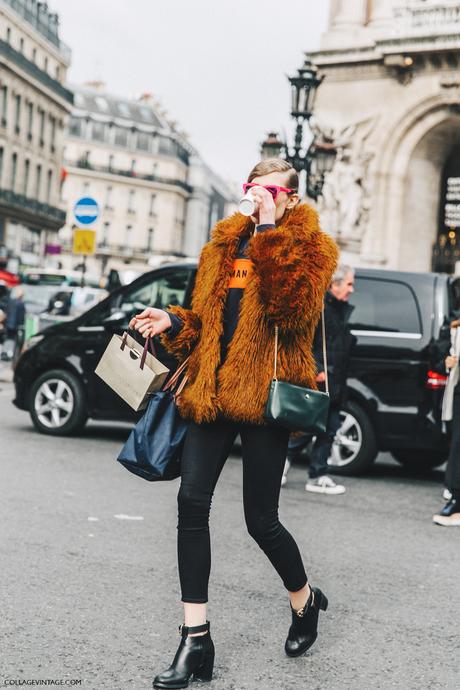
x,y
25,186
21,45
108,198
98,131
49,183
4,107
150,239
102,104
17,114
14,170
38,181
143,141
111,162
105,234
34,55
128,236
83,161
1,165
58,73
75,126
121,136
131,199
45,64
152,204
8,34
133,167
85,188
42,127
123,109
30,120
53,134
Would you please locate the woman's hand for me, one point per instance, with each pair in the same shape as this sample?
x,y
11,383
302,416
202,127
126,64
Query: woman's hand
x,y
451,361
150,322
321,377
267,209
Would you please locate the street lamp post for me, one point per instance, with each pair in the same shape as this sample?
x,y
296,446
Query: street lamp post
x,y
319,158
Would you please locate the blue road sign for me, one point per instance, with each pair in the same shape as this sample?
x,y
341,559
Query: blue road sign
x,y
86,210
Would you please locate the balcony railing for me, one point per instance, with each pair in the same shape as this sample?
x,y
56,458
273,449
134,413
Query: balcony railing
x,y
46,23
439,18
34,71
86,165
24,206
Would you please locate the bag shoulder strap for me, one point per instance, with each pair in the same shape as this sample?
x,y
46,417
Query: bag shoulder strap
x,y
323,338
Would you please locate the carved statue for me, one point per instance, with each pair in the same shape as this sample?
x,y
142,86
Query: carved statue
x,y
345,202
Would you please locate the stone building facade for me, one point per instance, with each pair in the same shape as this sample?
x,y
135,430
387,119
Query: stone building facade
x,y
390,99
34,105
156,196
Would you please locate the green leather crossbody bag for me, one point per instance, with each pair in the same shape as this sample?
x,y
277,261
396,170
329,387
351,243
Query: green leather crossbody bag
x,y
295,407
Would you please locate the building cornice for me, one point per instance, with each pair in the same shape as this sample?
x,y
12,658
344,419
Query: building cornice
x,y
59,50
112,174
17,62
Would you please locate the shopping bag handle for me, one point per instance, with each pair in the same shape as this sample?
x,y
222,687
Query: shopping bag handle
x,y
174,380
148,344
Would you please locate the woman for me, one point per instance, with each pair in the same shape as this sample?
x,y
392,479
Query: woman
x,y
270,270
449,516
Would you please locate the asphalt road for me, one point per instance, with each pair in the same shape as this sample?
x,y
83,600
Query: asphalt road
x,y
89,587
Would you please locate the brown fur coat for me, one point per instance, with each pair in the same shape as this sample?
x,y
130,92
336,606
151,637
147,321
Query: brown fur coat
x,y
293,266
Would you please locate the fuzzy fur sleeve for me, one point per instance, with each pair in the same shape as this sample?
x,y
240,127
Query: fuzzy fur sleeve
x,y
181,345
294,274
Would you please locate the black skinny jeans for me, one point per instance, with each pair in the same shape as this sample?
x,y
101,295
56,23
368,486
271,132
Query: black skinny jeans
x,y
207,447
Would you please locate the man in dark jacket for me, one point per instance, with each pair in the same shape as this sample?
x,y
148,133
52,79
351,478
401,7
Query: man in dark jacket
x,y
15,317
339,342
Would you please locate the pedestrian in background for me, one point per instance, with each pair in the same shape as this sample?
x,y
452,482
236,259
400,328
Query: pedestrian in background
x,y
269,270
15,317
339,342
449,516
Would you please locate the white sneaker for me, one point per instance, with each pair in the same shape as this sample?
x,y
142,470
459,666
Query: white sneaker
x,y
287,466
324,485
446,495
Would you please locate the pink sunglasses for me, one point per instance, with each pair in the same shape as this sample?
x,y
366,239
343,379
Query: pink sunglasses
x,y
274,189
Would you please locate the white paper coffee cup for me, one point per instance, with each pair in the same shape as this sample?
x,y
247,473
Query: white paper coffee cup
x,y
248,205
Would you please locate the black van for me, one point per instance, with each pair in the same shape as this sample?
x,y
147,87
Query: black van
x,y
393,395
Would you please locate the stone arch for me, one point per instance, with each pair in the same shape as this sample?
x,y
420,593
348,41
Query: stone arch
x,y
407,183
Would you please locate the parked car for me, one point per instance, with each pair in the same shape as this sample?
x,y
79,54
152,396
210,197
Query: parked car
x,y
56,277
393,394
73,301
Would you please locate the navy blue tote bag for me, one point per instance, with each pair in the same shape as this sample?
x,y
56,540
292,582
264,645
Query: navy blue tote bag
x,y
154,447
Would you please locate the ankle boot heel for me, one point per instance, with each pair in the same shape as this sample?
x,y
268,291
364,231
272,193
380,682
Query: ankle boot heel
x,y
204,673
304,627
194,659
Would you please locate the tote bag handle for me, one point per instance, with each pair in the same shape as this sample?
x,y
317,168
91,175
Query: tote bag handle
x,y
323,338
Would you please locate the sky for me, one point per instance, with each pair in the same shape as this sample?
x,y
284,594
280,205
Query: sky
x,y
218,66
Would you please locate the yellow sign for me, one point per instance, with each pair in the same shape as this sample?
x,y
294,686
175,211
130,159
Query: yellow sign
x,y
84,242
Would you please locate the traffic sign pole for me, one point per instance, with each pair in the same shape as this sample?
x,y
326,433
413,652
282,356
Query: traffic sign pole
x,y
86,212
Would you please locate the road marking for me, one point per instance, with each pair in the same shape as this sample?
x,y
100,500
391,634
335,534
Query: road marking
x,y
121,516
93,519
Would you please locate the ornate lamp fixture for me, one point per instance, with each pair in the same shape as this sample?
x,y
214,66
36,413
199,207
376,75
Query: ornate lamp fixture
x,y
319,157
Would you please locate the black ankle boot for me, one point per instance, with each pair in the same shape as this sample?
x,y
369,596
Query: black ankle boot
x,y
195,657
304,628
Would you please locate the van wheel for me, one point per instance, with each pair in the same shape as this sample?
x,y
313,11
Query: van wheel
x,y
57,403
355,447
419,459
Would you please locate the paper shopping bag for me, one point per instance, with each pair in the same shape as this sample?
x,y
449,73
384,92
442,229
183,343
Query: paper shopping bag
x,y
131,371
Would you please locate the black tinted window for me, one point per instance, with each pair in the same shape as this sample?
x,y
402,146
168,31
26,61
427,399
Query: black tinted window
x,y
384,305
163,291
